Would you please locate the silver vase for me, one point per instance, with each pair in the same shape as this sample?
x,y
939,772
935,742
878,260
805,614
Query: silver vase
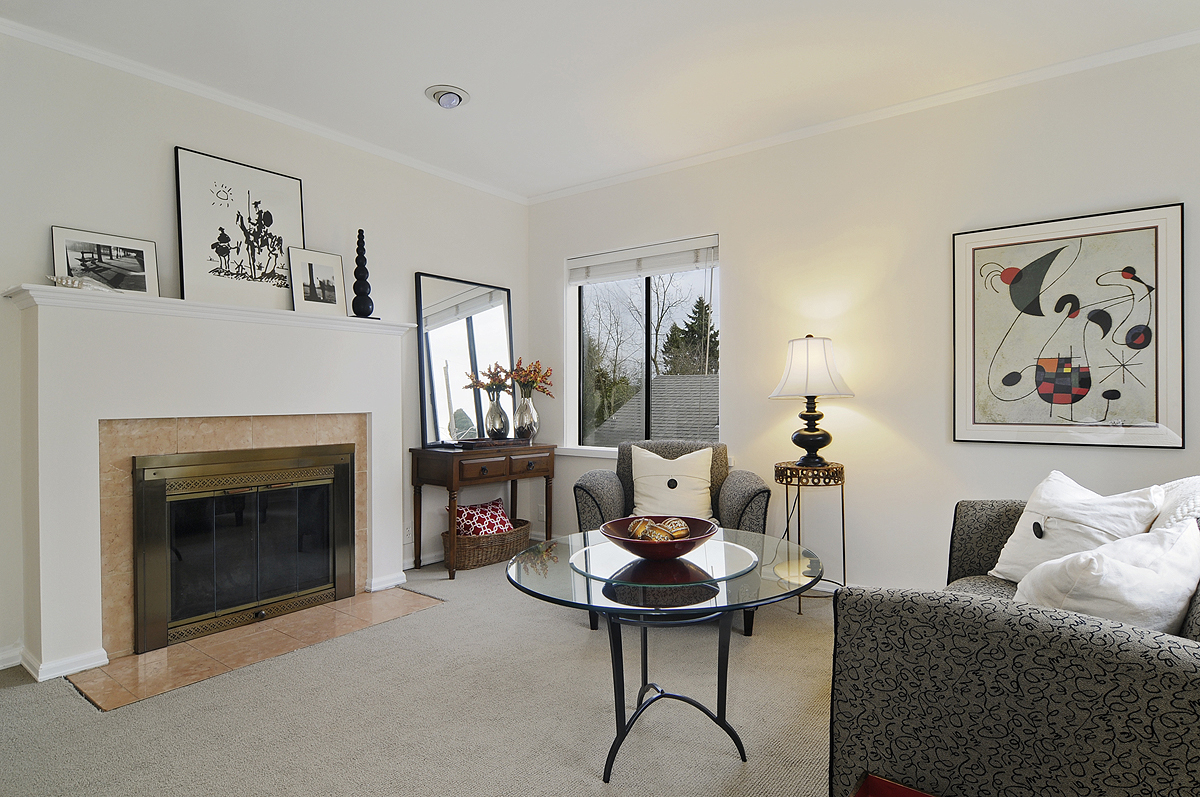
x,y
495,422
525,419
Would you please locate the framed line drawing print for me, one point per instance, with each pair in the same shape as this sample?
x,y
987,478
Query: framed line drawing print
x,y
236,223
128,265
1071,331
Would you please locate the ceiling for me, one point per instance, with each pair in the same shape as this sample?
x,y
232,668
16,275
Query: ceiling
x,y
566,95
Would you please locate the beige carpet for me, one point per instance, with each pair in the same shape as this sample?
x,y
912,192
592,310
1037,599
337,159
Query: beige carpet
x,y
492,693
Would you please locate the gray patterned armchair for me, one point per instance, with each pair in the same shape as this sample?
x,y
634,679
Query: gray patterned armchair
x,y
739,497
965,692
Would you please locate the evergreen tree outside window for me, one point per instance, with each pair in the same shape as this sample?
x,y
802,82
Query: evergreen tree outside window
x,y
649,343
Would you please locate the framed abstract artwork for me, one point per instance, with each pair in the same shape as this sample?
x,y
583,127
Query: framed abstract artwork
x,y
128,265
236,223
317,282
1071,331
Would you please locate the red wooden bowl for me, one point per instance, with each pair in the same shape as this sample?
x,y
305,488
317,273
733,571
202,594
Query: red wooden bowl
x,y
698,532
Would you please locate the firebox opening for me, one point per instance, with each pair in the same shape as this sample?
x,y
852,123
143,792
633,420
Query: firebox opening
x,y
228,538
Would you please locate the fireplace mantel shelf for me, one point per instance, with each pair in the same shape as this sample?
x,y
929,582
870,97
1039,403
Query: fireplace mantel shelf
x,y
53,296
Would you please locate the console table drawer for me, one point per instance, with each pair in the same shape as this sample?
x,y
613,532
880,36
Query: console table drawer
x,y
524,465
469,469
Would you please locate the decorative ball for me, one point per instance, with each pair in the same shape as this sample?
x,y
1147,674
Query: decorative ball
x,y
362,305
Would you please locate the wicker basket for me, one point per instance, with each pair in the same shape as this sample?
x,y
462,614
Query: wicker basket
x,y
487,549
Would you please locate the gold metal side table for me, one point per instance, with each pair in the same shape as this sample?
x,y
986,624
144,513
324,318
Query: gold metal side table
x,y
790,475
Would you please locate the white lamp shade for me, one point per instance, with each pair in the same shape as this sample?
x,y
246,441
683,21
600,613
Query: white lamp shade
x,y
811,371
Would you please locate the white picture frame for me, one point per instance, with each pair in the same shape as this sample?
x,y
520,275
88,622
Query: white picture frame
x,y
1071,331
318,285
126,265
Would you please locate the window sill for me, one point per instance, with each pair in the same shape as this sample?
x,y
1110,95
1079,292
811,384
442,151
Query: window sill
x,y
589,452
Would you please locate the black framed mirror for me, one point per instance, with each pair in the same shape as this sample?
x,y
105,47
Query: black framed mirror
x,y
462,327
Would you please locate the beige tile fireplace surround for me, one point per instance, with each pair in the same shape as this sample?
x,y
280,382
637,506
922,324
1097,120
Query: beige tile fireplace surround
x,y
199,377
122,440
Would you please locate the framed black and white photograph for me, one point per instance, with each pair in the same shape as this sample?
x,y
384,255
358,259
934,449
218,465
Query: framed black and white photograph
x,y
1071,331
128,265
317,282
236,223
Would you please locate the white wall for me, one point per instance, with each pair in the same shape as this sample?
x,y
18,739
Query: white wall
x,y
845,234
86,146
848,235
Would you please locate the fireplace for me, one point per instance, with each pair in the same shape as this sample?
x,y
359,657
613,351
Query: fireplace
x,y
176,396
228,538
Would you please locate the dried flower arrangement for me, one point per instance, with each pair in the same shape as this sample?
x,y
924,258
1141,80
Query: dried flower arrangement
x,y
495,380
531,377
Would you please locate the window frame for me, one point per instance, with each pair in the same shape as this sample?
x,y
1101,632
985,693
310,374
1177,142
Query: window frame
x,y
575,342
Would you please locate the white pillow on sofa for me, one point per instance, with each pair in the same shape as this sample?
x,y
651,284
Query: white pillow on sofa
x,y
1147,579
1062,518
679,486
1181,499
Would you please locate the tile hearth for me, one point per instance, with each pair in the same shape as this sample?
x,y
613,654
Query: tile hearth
x,y
131,678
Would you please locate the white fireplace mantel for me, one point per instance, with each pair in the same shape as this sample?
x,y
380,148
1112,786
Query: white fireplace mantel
x,y
92,355
27,296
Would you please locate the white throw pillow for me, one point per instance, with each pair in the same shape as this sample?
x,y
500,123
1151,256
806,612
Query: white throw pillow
x,y
672,486
1147,580
1062,518
1181,499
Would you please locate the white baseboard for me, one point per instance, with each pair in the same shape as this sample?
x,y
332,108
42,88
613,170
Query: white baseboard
x,y
60,667
385,582
10,656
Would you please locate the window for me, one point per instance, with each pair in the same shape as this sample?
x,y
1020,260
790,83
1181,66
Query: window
x,y
649,349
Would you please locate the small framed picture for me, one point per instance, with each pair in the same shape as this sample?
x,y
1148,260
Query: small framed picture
x,y
317,282
128,265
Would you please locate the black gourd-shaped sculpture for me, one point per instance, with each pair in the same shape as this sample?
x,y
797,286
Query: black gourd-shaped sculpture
x,y
362,304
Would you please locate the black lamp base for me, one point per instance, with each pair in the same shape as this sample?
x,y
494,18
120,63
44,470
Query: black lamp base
x,y
810,438
812,461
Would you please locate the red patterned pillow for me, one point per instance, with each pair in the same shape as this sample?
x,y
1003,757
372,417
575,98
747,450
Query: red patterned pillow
x,y
489,518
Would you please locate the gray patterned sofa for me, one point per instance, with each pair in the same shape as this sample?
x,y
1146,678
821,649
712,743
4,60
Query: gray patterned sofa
x,y
965,693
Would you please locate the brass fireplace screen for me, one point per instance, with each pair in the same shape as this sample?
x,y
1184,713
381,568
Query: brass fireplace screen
x,y
227,538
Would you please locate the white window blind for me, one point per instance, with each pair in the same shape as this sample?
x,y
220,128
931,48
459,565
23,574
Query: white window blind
x,y
469,302
644,261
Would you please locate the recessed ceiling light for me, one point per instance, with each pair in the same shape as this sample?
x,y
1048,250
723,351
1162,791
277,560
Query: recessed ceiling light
x,y
447,96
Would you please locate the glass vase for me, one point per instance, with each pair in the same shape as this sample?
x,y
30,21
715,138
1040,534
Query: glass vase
x,y
495,421
525,419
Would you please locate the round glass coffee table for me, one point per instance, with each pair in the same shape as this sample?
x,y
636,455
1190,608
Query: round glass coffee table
x,y
733,571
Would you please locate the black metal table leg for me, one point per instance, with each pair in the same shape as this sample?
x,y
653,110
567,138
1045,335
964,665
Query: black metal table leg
x,y
618,668
646,685
724,628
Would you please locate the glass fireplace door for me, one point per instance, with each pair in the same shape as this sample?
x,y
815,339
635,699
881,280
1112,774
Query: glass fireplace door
x,y
232,550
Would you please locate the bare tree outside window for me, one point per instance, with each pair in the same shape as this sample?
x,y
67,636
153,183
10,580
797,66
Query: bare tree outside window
x,y
613,352
659,331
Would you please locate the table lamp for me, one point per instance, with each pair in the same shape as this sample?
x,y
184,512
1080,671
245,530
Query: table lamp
x,y
810,372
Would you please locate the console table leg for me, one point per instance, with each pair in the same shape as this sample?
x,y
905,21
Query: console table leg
x,y
452,542
550,506
417,527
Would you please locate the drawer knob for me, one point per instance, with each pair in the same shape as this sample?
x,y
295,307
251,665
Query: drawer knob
x,y
529,466
483,470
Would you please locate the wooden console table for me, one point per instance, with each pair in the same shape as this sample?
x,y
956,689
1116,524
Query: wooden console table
x,y
454,469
